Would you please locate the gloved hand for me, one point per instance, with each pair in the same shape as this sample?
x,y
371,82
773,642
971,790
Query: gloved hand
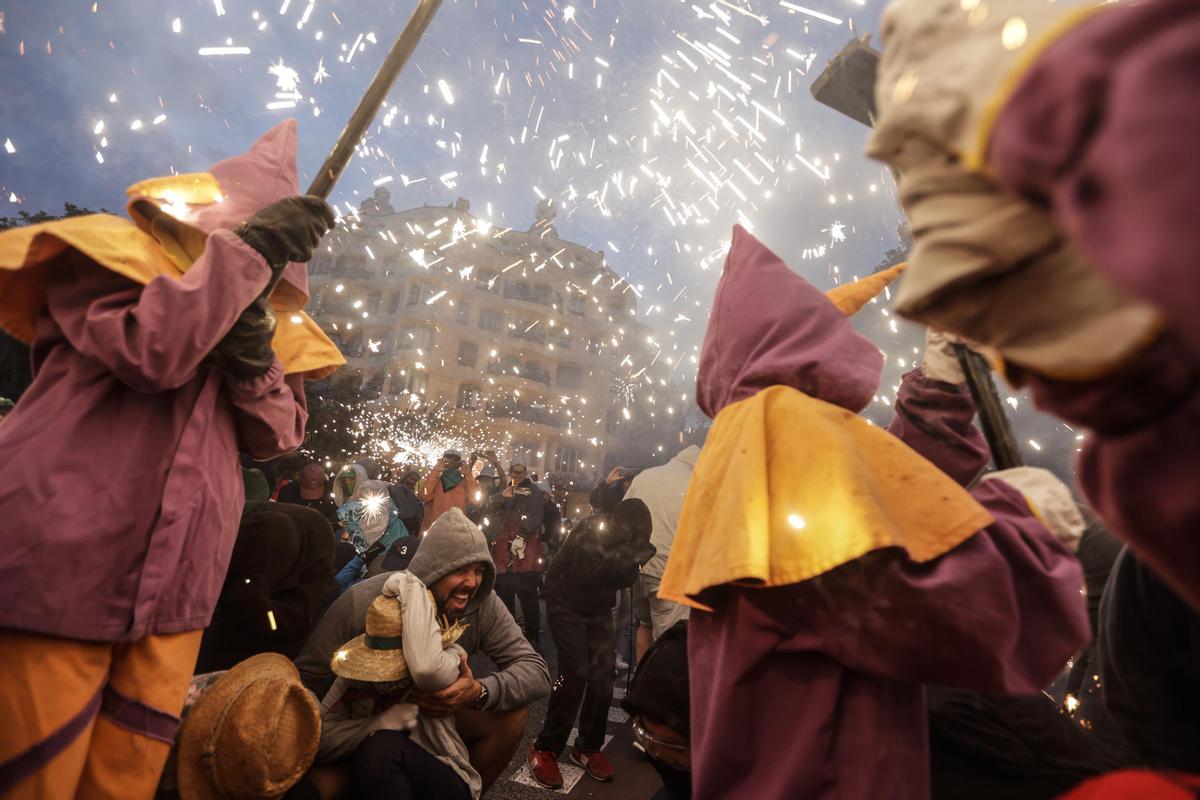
x,y
287,230
246,349
400,717
940,362
1049,499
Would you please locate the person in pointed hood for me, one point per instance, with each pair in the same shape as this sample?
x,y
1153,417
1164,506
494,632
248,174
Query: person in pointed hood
x,y
1048,168
832,569
367,513
156,360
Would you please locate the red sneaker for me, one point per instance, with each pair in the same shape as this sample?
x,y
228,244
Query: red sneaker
x,y
594,763
544,766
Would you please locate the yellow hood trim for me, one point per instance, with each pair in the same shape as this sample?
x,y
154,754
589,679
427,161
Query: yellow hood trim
x,y
789,487
119,245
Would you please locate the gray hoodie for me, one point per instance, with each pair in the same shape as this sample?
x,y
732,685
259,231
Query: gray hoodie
x,y
521,676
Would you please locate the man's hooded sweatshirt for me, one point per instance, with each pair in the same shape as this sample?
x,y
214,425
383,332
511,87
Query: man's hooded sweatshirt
x,y
128,402
521,675
857,572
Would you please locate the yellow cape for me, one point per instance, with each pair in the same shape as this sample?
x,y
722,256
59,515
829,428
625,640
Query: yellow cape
x,y
119,245
789,487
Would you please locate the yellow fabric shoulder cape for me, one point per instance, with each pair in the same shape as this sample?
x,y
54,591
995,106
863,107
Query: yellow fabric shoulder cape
x,y
119,245
789,487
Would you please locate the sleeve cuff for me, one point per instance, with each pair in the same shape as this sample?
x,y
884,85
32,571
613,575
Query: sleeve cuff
x,y
492,682
254,387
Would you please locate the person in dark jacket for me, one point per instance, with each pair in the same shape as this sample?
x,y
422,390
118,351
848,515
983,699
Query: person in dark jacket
x,y
660,709
311,490
278,585
1149,648
519,550
600,557
610,491
404,497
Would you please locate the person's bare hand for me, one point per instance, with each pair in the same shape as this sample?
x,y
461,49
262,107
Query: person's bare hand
x,y
613,476
463,693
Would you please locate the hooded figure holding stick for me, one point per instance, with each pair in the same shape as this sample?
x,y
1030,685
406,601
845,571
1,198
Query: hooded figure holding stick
x,y
833,567
157,359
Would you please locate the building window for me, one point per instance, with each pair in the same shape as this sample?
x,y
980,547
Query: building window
x,y
469,396
579,305
468,353
569,377
414,383
464,313
490,320
611,421
416,294
567,460
375,301
394,302
414,338
595,345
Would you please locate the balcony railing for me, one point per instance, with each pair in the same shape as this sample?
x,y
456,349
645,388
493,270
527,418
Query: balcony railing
x,y
527,370
525,413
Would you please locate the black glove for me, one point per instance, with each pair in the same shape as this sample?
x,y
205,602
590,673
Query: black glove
x,y
246,349
287,230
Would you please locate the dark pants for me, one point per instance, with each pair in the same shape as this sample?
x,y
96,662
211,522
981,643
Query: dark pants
x,y
523,585
586,670
389,765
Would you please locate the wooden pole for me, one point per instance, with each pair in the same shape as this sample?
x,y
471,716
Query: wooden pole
x,y
377,92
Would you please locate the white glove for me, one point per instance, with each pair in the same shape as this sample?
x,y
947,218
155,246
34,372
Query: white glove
x,y
940,362
400,717
1049,499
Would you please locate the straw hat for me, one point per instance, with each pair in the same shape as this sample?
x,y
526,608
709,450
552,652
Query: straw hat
x,y
253,733
377,656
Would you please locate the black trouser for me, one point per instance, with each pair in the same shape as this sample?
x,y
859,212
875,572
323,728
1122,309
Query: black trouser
x,y
390,766
523,585
586,649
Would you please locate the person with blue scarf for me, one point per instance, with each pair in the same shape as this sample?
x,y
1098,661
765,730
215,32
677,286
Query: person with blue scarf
x,y
367,513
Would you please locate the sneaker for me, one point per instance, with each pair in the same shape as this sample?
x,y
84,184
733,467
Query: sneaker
x,y
594,763
544,766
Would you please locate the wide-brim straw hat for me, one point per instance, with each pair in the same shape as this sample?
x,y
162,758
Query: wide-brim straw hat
x,y
253,733
377,656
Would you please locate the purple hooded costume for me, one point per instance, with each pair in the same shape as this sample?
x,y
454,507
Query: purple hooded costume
x,y
120,490
1102,129
814,690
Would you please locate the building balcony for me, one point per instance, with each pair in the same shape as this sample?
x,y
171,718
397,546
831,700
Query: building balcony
x,y
529,372
525,413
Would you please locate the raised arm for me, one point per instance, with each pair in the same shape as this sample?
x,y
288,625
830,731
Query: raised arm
x,y
153,337
935,414
430,664
1001,612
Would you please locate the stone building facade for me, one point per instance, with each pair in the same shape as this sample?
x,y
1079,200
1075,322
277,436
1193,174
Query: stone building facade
x,y
525,335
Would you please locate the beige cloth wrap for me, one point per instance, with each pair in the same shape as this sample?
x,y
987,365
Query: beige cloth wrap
x,y
987,265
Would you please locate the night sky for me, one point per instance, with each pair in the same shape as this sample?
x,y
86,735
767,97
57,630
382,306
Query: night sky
x,y
707,105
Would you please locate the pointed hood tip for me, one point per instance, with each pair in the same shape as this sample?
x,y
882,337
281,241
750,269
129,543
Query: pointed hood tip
x,y
849,298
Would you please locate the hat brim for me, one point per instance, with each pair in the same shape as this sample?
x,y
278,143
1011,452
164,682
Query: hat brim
x,y
357,662
204,717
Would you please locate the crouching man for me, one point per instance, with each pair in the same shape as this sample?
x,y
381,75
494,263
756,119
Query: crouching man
x,y
490,712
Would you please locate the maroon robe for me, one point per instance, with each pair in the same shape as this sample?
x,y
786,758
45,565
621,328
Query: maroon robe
x,y
815,690
1102,129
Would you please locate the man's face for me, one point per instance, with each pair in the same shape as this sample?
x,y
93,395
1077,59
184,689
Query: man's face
x,y
454,591
452,462
516,474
